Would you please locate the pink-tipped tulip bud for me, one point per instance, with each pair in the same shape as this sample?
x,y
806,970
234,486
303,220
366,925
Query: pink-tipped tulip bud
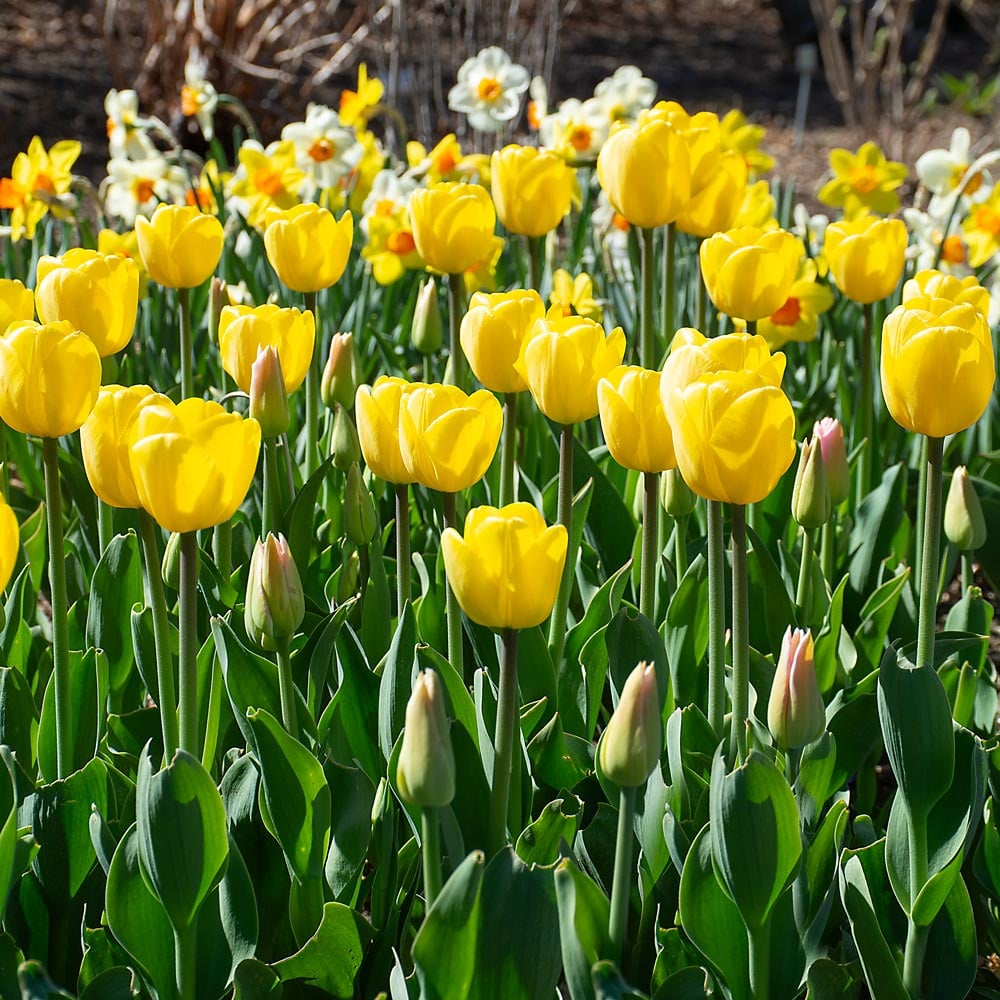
x,y
345,446
810,494
275,604
426,771
631,744
218,299
795,712
340,375
675,494
838,473
268,396
360,520
426,329
964,524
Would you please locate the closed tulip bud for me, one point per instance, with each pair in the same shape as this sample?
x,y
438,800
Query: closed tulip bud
x,y
632,418
244,330
427,332
268,397
446,438
830,435
377,409
453,225
493,330
562,360
340,374
344,443
17,303
937,365
360,520
180,245
796,715
677,497
307,247
275,605
532,188
350,569
810,494
866,256
425,773
10,542
749,272
505,570
98,294
938,285
630,746
170,565
964,524
218,299
50,376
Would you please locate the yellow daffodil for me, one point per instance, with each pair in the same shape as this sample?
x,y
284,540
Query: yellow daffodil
x,y
356,106
391,249
864,181
738,135
982,229
573,296
270,179
446,162
37,178
798,318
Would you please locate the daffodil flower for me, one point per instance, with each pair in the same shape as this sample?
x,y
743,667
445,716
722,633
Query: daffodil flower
x,y
489,89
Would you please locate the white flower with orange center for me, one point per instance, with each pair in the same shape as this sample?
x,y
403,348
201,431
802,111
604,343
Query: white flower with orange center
x,y
625,93
576,130
930,240
324,150
942,171
199,98
126,130
136,187
489,89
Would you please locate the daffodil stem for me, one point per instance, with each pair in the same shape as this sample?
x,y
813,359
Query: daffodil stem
x,y
647,277
187,350
535,245
557,627
105,525
188,673
865,402
650,539
622,883
166,697
430,828
916,936
803,594
60,624
312,391
716,620
741,637
455,656
185,962
929,555
508,449
503,743
222,548
759,941
456,309
680,547
272,487
402,546
286,688
669,300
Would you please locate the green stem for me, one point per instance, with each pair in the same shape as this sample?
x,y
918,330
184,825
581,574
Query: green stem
x,y
921,500
680,547
185,962
454,611
286,688
702,297
827,537
272,487
929,555
431,835
105,525
166,697
312,391
557,626
504,741
622,885
916,936
402,546
865,403
60,623
650,539
456,309
222,548
188,601
4,471
741,636
535,262
967,573
647,343
803,595
508,449
759,939
716,620
187,350
668,304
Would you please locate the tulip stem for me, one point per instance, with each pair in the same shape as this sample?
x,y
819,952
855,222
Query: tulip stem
x,y
759,940
668,303
622,884
535,244
508,449
865,402
803,595
188,601
650,540
187,350
716,620
272,487
5,471
647,342
456,308
741,638
454,611
222,548
504,741
60,624
286,688
968,577
430,827
702,297
185,961
557,627
166,697
105,525
929,555
402,546
680,547
827,537
312,390
916,936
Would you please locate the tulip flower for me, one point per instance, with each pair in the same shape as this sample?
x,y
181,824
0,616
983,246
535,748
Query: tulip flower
x,y
830,435
937,285
340,374
307,247
425,331
866,256
964,524
532,189
796,715
10,542
713,208
244,330
17,303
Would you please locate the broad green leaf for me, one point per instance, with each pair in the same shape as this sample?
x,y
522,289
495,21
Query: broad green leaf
x,y
813,785
686,632
540,842
18,717
356,704
256,981
376,606
397,681
112,984
879,516
828,641
632,638
769,597
351,830
583,927
972,614
952,955
876,618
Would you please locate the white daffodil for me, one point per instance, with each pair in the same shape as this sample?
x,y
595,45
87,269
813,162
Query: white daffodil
x,y
625,93
994,313
199,98
538,106
489,89
576,130
389,194
941,171
929,234
809,228
613,230
323,149
136,187
126,130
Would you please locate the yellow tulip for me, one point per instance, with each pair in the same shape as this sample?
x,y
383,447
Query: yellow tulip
x,y
376,409
180,246
562,360
446,438
307,247
50,375
866,256
492,333
749,272
97,293
506,570
532,188
192,463
644,168
453,225
938,285
634,422
715,206
105,438
937,365
244,330
10,542
17,303
734,435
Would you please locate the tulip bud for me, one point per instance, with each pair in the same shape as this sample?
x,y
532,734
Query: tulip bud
x,y
675,494
830,434
426,771
795,712
170,567
810,494
350,569
344,443
218,299
360,520
340,376
426,329
275,604
964,524
268,397
631,744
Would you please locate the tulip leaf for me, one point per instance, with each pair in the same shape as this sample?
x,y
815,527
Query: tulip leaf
x,y
350,833
768,595
459,702
876,617
8,834
878,518
397,681
632,638
19,608
253,980
119,983
972,614
827,644
355,704
952,955
540,842
613,532
852,720
686,633
820,875
18,717
34,538
300,517
813,785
